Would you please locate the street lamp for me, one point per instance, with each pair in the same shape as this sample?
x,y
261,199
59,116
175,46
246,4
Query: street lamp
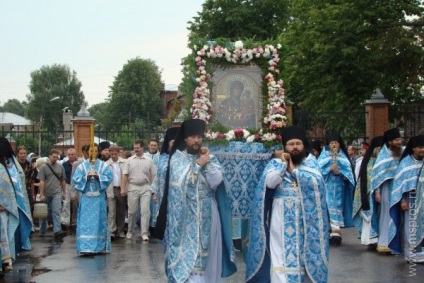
x,y
41,123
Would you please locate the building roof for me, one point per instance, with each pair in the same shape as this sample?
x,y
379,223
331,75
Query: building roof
x,y
70,142
11,118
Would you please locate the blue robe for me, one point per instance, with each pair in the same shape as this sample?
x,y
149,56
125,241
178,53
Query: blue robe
x,y
405,181
189,219
155,157
384,168
382,175
23,232
158,187
312,228
370,214
339,188
8,202
93,235
419,206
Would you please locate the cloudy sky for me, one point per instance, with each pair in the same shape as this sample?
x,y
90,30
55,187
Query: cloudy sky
x,y
95,38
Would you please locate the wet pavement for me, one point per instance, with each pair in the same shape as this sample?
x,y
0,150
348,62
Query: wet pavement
x,y
138,261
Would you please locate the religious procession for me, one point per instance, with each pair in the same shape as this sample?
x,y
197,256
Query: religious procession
x,y
179,194
212,141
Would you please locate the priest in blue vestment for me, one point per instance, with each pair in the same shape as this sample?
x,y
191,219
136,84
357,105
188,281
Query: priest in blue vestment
x,y
339,181
288,239
158,184
382,175
15,219
365,208
91,179
406,203
198,244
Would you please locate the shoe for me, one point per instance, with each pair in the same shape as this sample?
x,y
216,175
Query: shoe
x,y
64,226
121,235
145,237
335,240
129,235
60,235
383,249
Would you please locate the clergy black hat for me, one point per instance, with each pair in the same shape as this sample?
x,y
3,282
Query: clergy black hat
x,y
412,143
170,135
391,134
191,127
417,141
294,132
104,145
333,136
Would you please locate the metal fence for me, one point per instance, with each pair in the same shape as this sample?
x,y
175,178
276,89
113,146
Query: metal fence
x,y
40,141
351,126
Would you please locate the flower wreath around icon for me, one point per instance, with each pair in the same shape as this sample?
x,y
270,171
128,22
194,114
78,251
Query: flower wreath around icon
x,y
267,57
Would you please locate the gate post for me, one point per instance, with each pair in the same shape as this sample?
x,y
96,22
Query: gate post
x,y
82,123
376,115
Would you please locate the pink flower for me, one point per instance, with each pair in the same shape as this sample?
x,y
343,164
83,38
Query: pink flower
x,y
221,135
198,58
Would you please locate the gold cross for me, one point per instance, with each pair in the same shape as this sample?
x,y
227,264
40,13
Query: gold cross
x,y
295,186
192,177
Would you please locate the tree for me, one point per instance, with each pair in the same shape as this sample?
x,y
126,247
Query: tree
x,y
14,106
256,20
46,84
240,19
99,112
135,95
340,51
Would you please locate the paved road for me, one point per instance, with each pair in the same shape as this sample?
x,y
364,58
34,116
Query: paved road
x,y
137,261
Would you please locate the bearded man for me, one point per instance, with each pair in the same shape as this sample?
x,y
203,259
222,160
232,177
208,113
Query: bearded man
x,y
382,175
295,244
198,244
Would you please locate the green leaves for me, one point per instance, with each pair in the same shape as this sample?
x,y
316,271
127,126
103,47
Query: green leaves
x,y
135,95
46,84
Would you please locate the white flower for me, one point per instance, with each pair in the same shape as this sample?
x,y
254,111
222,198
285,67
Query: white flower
x,y
195,47
206,47
245,133
250,138
230,135
238,44
279,46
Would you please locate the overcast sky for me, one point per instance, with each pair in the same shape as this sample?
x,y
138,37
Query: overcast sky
x,y
95,38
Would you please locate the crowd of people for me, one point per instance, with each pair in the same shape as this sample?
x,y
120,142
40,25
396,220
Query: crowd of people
x,y
178,194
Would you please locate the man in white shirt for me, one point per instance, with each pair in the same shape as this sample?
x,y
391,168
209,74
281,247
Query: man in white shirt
x,y
115,201
139,172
